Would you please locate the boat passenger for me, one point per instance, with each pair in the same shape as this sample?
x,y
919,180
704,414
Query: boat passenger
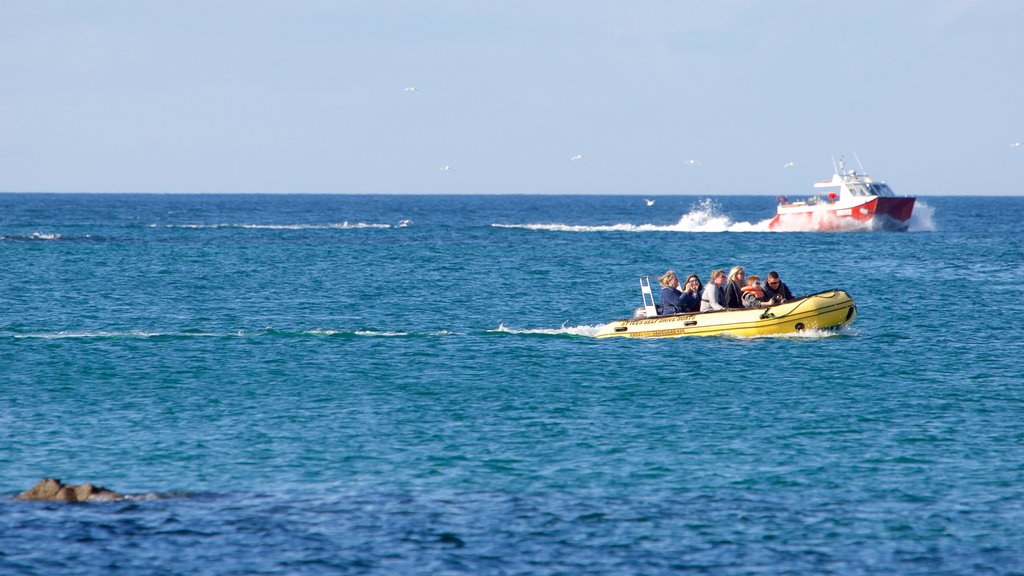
x,y
690,297
713,292
670,296
753,295
775,290
734,288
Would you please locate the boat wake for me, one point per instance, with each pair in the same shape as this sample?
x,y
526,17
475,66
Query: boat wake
x,y
171,335
563,331
704,216
99,334
346,225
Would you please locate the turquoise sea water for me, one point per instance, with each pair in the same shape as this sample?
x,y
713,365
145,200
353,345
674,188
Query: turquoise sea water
x,y
408,384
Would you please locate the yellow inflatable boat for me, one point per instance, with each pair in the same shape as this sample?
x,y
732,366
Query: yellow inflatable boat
x,y
828,310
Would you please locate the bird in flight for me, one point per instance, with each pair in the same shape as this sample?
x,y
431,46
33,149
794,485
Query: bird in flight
x,y
410,89
1016,145
649,201
692,162
447,169
789,165
578,157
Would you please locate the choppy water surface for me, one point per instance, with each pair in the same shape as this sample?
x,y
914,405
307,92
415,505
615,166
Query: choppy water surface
x,y
304,384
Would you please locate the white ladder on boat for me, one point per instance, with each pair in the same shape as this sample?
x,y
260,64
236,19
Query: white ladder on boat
x,y
645,289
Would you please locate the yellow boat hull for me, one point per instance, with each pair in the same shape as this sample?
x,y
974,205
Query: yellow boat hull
x,y
823,311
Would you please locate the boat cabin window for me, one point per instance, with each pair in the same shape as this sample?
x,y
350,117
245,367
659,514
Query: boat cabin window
x,y
881,190
858,190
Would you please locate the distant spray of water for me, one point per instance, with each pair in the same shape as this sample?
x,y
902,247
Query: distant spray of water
x,y
922,220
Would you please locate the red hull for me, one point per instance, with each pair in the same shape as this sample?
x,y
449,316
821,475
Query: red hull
x,y
881,213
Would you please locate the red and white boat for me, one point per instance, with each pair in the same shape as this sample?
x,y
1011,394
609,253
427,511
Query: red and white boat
x,y
849,201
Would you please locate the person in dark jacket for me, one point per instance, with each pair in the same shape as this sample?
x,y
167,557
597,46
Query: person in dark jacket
x,y
692,290
734,288
775,290
671,302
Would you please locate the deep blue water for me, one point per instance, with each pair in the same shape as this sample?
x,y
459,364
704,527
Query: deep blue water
x,y
407,384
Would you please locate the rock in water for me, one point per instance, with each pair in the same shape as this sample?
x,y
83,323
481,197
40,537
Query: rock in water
x,y
53,490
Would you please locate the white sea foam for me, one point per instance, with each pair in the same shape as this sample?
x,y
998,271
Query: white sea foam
x,y
704,216
809,334
34,236
379,333
571,330
922,220
823,218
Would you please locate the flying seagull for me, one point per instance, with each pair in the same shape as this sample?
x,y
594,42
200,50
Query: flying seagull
x,y
410,89
1016,145
447,168
692,162
789,165
578,157
649,201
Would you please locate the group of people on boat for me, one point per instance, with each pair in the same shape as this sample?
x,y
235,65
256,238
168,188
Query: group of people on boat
x,y
723,292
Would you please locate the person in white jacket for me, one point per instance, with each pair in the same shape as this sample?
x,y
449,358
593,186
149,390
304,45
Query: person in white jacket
x,y
714,294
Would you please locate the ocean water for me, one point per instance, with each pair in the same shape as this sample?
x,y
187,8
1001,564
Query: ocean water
x,y
405,384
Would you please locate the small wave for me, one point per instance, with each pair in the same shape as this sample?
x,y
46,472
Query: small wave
x,y
564,330
43,236
704,216
34,236
373,333
330,332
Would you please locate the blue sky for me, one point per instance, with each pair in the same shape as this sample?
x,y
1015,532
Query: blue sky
x,y
310,96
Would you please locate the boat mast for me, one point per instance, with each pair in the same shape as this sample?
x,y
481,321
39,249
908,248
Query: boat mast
x,y
858,162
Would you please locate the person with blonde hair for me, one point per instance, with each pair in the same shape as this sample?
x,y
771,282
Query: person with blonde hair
x,y
671,302
713,295
734,288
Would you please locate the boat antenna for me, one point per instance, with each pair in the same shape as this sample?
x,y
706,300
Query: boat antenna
x,y
858,162
834,167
